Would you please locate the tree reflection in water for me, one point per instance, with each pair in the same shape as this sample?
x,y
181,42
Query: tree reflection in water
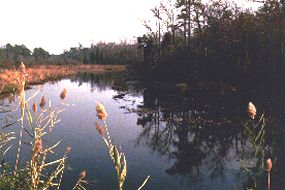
x,y
199,136
198,127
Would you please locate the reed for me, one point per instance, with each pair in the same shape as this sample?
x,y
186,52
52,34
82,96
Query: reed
x,y
39,125
81,182
255,130
117,155
40,173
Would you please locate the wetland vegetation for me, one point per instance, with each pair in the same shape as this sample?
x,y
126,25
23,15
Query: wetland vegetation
x,y
195,103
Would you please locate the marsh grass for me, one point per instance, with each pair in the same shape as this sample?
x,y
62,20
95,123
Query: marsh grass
x,y
9,78
255,129
42,171
116,154
39,173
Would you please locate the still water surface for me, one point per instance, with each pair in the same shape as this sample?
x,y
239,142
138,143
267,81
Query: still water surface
x,y
185,137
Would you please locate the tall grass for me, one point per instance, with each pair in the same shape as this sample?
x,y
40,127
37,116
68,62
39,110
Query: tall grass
x,y
41,172
255,129
116,154
38,173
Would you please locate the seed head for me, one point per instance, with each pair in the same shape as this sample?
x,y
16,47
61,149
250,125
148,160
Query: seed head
x,y
43,102
38,147
35,107
82,174
251,110
63,94
22,100
269,165
100,129
68,149
101,112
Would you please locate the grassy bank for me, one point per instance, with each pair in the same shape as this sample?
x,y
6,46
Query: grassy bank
x,y
9,78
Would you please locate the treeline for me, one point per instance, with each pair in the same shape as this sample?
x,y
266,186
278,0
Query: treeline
x,y
217,40
101,53
105,53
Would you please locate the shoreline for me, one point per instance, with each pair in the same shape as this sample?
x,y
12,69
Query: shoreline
x,y
9,78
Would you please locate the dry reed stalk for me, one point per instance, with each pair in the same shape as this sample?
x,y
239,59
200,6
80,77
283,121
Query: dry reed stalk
x,y
100,129
117,156
22,106
68,149
81,181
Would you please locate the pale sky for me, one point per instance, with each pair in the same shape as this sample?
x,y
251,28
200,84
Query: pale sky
x,y
56,25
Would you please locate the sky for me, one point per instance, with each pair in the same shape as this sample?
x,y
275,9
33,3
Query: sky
x,y
57,25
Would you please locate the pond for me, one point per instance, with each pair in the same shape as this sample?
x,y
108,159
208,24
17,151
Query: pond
x,y
184,136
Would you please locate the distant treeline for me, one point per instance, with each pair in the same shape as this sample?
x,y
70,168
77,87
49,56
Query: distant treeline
x,y
216,39
101,53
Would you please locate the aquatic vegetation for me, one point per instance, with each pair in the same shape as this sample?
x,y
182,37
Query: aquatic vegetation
x,y
251,110
256,134
117,155
63,94
81,181
101,112
44,170
40,172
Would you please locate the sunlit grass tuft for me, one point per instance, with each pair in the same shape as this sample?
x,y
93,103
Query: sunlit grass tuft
x,y
116,154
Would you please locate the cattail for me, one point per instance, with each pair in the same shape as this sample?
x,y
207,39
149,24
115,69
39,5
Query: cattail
x,y
63,94
82,174
68,149
269,165
251,110
100,129
35,107
268,168
101,112
43,102
38,147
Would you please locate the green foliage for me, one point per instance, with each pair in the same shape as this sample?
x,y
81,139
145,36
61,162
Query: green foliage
x,y
101,53
9,88
256,134
40,54
10,180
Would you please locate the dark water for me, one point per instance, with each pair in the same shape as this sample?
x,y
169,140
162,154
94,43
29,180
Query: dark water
x,y
185,136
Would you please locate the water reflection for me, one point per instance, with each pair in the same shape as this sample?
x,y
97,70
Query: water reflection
x,y
197,127
98,81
